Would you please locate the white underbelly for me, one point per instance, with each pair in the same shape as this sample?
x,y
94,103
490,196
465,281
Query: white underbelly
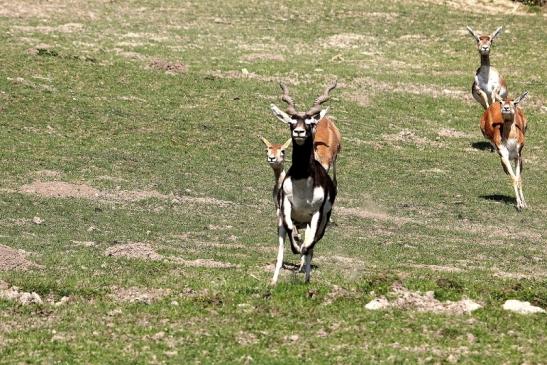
x,y
511,148
304,198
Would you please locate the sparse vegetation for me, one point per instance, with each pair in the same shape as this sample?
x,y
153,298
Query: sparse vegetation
x,y
136,221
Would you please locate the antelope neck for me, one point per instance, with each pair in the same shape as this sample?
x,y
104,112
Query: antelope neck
x,y
485,60
302,159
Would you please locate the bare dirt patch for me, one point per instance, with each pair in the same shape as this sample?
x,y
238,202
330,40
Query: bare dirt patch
x,y
348,40
371,213
168,67
407,136
253,57
12,259
13,293
501,7
407,299
139,295
336,293
61,189
365,84
452,133
440,268
144,251
140,251
64,28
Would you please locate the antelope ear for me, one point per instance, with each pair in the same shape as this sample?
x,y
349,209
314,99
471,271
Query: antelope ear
x,y
265,141
323,112
496,33
473,33
521,98
281,115
317,117
287,144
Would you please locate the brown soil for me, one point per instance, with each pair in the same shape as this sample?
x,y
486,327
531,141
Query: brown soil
x,y
168,67
141,251
145,251
12,259
61,189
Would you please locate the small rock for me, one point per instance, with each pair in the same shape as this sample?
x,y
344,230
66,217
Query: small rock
x,y
378,303
293,338
175,303
37,220
158,336
62,301
518,306
30,298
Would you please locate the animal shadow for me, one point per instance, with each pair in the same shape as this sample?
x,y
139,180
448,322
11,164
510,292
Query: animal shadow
x,y
483,146
500,198
294,267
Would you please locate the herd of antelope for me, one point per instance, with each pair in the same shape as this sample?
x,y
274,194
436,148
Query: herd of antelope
x,y
304,195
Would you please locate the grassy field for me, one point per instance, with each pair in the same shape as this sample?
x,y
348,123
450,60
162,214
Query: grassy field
x,y
133,184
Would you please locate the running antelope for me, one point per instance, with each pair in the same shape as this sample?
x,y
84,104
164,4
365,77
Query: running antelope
x,y
307,193
504,124
326,144
488,85
276,158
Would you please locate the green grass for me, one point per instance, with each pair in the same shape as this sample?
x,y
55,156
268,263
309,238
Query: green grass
x,y
434,213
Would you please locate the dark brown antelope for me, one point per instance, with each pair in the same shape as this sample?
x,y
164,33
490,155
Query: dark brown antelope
x,y
504,124
307,193
488,85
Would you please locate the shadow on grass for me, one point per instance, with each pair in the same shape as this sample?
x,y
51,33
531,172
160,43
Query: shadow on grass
x,y
483,146
294,267
500,198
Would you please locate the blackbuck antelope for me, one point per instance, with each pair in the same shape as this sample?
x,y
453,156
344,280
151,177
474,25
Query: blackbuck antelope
x,y
307,193
326,144
504,124
488,85
276,157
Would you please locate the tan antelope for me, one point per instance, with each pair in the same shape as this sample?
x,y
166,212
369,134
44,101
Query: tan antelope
x,y
504,124
307,193
276,157
489,85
